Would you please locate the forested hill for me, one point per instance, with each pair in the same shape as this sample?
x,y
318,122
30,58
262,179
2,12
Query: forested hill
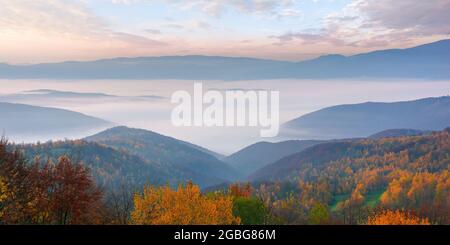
x,y
416,153
184,160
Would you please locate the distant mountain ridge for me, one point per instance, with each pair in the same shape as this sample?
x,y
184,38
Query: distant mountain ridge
x,y
364,119
49,94
20,122
428,61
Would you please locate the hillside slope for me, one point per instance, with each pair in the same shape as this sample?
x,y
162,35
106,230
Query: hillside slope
x,y
21,122
183,161
362,120
258,155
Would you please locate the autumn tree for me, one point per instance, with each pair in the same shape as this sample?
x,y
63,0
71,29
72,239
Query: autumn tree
x,y
240,190
3,195
120,204
289,211
183,206
397,217
21,188
319,214
73,196
36,193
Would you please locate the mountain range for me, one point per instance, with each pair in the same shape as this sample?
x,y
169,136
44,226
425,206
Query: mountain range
x,y
428,61
139,156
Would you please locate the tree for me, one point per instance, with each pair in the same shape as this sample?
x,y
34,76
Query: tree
x,y
20,187
120,204
3,195
183,206
319,215
239,190
397,217
62,193
73,196
250,210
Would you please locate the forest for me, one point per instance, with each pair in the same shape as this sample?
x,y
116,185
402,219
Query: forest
x,y
401,180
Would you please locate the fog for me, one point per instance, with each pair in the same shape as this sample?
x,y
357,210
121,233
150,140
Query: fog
x,y
146,103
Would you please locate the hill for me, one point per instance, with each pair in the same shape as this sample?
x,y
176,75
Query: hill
x,y
111,168
391,133
258,155
362,120
21,122
184,161
420,153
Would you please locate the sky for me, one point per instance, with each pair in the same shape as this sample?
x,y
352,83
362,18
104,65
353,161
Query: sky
x,y
37,31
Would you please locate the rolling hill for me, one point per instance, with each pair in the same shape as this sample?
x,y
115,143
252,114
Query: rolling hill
x,y
258,155
391,133
427,152
428,61
362,120
20,122
111,168
184,161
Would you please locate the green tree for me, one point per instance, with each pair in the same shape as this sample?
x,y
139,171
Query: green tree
x,y
319,215
251,210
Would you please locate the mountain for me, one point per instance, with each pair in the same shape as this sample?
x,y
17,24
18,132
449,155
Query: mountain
x,y
66,94
429,61
165,67
323,161
260,154
391,133
362,120
111,168
21,122
184,161
424,61
32,96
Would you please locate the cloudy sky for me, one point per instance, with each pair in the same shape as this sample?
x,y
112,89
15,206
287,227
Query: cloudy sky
x,y
33,31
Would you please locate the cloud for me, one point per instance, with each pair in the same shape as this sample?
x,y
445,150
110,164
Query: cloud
x,y
49,16
200,24
58,29
309,38
279,8
191,25
153,31
421,17
378,23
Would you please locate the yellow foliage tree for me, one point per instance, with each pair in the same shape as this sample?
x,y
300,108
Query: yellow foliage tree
x,y
3,195
183,206
398,217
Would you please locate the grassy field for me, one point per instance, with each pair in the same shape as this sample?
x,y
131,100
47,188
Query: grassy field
x,y
371,199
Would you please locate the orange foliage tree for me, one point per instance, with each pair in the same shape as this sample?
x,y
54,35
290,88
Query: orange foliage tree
x,y
240,190
183,206
60,193
397,217
73,197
